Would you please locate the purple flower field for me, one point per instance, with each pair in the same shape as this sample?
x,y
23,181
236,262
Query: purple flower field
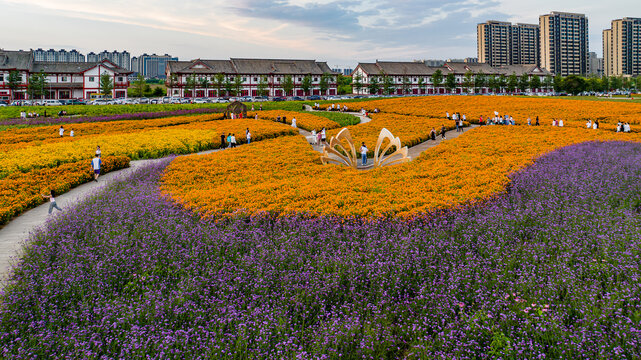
x,y
89,119
550,269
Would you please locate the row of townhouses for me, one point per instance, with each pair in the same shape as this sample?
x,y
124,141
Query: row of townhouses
x,y
252,75
64,80
417,77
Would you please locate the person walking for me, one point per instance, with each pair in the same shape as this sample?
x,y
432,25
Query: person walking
x,y
233,140
460,124
433,134
294,122
364,153
323,135
61,131
229,140
248,135
98,152
443,132
222,141
96,163
52,201
537,121
71,133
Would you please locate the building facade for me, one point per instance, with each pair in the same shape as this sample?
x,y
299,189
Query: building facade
x,y
502,43
64,80
152,66
253,76
417,78
622,48
120,58
61,55
564,43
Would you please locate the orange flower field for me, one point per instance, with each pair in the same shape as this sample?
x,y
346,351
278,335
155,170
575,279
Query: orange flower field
x,y
574,112
285,175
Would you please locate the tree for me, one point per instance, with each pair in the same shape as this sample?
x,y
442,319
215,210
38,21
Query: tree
x,y
493,83
468,81
14,81
480,81
262,86
374,86
512,82
558,83
204,83
324,83
605,83
106,84
638,83
450,82
33,87
191,83
502,81
535,83
288,85
388,85
422,86
616,83
228,86
357,82
344,84
574,84
593,84
220,82
524,82
306,84
548,82
139,85
158,92
437,78
238,84
405,85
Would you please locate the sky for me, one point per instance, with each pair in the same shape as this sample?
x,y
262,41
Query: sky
x,y
340,32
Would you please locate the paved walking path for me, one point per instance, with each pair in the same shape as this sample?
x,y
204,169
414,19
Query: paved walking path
x,y
15,234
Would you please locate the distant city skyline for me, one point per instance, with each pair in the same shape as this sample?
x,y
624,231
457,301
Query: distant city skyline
x,y
339,32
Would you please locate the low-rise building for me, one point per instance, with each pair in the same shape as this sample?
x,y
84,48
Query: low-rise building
x,y
417,78
249,77
64,80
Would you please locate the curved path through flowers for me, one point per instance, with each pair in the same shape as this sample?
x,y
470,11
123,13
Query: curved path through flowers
x,y
14,234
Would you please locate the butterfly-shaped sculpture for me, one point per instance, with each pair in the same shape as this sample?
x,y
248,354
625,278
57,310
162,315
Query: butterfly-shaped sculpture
x,y
397,157
341,150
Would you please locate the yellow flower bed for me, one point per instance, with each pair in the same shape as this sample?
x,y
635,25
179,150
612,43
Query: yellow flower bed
x,y
50,133
285,175
157,142
304,121
609,112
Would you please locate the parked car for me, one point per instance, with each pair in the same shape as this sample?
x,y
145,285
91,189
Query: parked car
x,y
144,100
261,98
296,98
314,97
200,101
278,99
52,103
185,101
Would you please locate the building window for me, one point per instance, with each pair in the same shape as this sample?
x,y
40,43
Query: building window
x,y
1,78
244,79
255,79
64,78
315,79
91,79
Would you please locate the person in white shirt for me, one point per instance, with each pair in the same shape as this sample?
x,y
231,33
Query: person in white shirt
x,y
71,133
588,124
619,129
95,164
98,152
529,122
61,131
560,122
447,115
314,137
595,125
626,127
294,122
233,140
249,136
364,153
323,135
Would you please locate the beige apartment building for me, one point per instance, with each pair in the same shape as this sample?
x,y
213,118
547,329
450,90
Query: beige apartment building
x,y
564,43
622,48
502,43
